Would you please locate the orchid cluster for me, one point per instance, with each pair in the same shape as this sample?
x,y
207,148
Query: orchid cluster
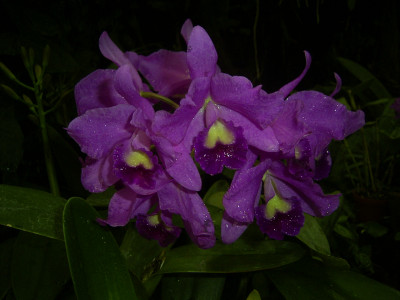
x,y
149,125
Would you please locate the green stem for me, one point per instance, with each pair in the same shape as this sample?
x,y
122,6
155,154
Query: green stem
x,y
367,157
347,146
48,157
152,95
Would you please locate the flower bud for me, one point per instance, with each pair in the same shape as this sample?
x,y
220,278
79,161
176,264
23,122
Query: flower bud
x,y
7,71
38,72
10,92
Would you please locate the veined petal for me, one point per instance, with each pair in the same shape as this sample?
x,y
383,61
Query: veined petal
x,y
312,198
198,223
231,230
262,139
326,118
124,205
111,51
289,87
288,128
129,87
201,54
180,165
97,91
174,126
244,193
238,94
97,174
98,130
186,30
166,71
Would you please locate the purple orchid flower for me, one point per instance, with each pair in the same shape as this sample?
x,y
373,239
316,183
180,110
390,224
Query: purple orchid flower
x,y
286,198
309,120
172,198
221,115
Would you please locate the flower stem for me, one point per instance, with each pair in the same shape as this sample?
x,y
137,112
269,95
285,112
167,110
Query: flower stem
x,y
48,157
152,95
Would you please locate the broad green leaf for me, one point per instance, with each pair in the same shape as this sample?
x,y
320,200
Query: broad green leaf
x,y
178,287
356,286
364,75
208,287
254,295
39,267
97,267
193,287
313,236
6,249
309,279
241,256
101,199
143,257
31,210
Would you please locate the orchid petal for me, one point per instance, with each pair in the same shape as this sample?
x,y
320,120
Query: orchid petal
x,y
198,223
244,193
111,51
166,71
186,30
289,87
97,174
98,130
97,90
238,94
231,230
201,54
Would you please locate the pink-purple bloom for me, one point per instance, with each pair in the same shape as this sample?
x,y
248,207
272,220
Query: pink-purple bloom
x,y
277,143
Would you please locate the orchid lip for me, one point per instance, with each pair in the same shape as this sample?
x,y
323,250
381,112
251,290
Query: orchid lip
x,y
138,158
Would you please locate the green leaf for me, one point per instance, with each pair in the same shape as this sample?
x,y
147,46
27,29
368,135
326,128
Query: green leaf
x,y
215,193
254,295
143,256
196,287
31,210
241,256
313,236
39,267
101,199
97,267
364,75
309,279
6,248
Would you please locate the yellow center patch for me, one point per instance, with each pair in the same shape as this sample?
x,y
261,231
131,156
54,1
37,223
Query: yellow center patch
x,y
138,158
218,132
154,220
276,204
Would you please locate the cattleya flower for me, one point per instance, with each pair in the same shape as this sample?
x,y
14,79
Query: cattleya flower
x,y
277,143
289,188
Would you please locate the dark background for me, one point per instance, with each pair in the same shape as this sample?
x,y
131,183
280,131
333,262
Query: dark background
x,y
366,32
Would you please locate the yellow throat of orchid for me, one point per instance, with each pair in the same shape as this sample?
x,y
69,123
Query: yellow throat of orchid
x,y
218,132
276,204
138,158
